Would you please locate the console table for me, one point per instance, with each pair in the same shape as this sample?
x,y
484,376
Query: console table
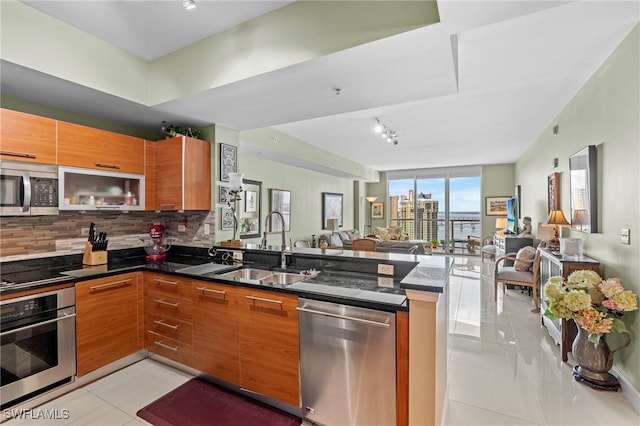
x,y
561,331
508,244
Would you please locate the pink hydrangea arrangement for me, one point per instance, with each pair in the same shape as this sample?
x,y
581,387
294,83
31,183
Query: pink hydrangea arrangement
x,y
595,304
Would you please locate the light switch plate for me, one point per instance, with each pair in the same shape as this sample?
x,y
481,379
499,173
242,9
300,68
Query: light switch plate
x,y
625,237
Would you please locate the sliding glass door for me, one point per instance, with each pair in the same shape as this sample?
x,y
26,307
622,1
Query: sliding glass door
x,y
439,206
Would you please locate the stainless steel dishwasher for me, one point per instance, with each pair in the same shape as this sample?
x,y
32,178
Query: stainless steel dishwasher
x,y
347,363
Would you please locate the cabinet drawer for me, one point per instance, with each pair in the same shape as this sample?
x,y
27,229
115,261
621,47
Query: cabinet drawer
x,y
161,304
169,285
169,348
169,327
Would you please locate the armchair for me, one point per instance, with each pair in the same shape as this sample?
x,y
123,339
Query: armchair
x,y
517,276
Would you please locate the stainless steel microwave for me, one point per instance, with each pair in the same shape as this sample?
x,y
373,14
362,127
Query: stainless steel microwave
x,y
28,189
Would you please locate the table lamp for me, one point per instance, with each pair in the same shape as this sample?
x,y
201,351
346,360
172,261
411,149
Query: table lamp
x,y
501,223
556,218
332,224
580,218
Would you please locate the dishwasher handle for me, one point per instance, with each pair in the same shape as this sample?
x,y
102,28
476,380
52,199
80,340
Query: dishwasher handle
x,y
329,314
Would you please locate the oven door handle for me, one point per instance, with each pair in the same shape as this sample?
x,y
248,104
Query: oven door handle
x,y
27,327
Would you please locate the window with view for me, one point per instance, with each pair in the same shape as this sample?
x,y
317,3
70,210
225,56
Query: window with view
x,y
440,207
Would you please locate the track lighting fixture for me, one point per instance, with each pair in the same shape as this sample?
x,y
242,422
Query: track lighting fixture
x,y
388,134
189,4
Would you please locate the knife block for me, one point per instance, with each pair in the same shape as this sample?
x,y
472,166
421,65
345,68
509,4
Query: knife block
x,y
93,257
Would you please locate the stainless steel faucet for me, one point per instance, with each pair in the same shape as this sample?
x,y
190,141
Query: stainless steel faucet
x,y
283,258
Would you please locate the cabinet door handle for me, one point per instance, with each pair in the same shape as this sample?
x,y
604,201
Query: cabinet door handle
x,y
261,299
211,290
110,285
162,302
108,166
171,348
161,281
164,324
18,154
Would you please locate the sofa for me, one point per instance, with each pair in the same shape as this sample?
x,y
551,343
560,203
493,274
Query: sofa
x,y
391,241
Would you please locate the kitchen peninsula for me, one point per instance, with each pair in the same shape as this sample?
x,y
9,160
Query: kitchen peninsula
x,y
414,291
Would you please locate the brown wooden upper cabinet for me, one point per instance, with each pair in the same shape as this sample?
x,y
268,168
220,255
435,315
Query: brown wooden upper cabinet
x,y
89,148
182,174
26,137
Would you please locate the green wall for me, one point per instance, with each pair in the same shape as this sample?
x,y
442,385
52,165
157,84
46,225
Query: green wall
x,y
605,112
497,181
306,188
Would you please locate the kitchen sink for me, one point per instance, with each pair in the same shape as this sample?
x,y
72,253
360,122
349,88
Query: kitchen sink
x,y
283,278
205,269
247,274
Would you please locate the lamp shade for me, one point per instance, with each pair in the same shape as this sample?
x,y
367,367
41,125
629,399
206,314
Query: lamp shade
x,y
556,217
371,199
235,182
580,217
332,224
501,223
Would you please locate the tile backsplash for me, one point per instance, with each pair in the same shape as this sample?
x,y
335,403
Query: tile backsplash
x,y
44,234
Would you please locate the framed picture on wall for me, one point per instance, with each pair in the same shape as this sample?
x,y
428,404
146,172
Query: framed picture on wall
x,y
228,161
377,210
496,206
553,191
223,196
331,208
228,221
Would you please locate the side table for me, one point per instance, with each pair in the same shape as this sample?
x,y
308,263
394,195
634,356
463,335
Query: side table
x,y
561,331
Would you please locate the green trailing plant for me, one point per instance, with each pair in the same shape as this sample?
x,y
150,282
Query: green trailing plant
x,y
172,130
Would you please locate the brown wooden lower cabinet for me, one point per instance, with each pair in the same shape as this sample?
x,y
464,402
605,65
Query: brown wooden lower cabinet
x,y
269,344
108,320
215,330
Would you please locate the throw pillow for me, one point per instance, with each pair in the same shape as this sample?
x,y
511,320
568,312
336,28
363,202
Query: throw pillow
x,y
526,255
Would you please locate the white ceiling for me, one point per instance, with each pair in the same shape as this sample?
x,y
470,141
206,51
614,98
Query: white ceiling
x,y
477,88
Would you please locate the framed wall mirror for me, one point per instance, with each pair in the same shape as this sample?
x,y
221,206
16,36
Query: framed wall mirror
x,y
250,209
281,201
584,202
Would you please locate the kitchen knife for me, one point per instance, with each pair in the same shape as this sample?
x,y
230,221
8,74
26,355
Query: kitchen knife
x,y
92,233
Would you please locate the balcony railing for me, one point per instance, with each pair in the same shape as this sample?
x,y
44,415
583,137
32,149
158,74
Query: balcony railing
x,y
434,229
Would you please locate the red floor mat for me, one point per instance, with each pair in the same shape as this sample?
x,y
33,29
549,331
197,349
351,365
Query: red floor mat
x,y
201,403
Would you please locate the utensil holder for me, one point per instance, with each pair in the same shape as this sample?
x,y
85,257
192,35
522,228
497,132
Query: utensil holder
x,y
93,257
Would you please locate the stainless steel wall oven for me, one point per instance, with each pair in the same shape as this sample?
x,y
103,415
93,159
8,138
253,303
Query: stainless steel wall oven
x,y
38,344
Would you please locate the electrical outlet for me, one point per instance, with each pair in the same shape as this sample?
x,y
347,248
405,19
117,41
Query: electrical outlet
x,y
207,230
385,282
385,269
237,255
625,238
84,232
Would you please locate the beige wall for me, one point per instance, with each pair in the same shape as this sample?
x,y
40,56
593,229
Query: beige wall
x,y
497,181
603,113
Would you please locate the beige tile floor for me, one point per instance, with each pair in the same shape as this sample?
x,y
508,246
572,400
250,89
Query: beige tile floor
x,y
503,370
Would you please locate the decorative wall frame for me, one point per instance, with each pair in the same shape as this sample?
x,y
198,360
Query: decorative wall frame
x,y
553,192
223,194
227,220
250,209
228,161
331,207
280,201
377,210
495,206
583,184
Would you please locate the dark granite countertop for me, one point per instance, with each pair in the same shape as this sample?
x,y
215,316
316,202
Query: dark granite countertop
x,y
359,287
